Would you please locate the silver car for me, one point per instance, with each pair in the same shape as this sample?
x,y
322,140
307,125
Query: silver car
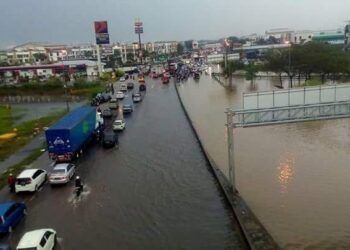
x,y
62,173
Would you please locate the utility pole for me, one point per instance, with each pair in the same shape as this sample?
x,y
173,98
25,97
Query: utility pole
x,y
99,66
230,144
66,96
289,64
139,31
226,45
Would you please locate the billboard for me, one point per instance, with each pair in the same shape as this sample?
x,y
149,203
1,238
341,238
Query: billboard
x,y
101,32
138,27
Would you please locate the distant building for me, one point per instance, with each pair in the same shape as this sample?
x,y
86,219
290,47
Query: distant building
x,y
25,54
329,36
44,71
195,45
218,58
282,35
3,56
347,37
301,37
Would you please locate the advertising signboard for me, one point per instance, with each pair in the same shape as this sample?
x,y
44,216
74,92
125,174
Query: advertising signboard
x,y
101,31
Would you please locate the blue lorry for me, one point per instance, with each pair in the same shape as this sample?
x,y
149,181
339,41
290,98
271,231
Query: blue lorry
x,y
70,135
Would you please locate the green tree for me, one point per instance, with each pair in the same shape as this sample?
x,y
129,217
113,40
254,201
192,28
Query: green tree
x,y
250,72
230,68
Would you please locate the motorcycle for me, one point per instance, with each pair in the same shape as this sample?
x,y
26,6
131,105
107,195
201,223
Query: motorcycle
x,y
78,190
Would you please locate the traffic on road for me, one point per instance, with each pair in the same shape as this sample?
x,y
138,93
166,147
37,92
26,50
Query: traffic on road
x,y
138,171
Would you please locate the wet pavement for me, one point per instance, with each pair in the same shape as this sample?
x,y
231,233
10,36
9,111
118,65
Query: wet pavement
x,y
153,192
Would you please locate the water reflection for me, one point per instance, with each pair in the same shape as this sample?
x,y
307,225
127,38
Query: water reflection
x,y
285,172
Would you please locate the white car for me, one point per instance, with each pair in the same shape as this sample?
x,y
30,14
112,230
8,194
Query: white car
x,y
123,87
122,79
119,124
137,97
120,95
62,173
30,180
41,239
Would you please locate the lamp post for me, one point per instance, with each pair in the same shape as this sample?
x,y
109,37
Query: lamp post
x,y
289,64
226,45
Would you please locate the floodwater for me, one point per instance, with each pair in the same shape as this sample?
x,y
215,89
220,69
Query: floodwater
x,y
295,177
155,191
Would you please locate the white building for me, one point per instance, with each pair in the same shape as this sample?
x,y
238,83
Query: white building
x,y
282,34
24,54
218,58
90,66
301,37
195,45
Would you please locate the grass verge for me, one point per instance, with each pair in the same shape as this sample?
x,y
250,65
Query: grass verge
x,y
25,132
17,168
5,119
78,88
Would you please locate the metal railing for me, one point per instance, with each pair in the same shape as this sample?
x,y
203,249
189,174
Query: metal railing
x,y
297,113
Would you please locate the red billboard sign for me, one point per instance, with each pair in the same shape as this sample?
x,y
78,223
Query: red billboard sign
x,y
101,27
101,31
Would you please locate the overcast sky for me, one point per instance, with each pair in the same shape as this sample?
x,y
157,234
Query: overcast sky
x,y
71,21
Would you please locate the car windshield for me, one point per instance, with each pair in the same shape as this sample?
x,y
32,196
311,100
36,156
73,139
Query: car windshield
x,y
118,122
58,171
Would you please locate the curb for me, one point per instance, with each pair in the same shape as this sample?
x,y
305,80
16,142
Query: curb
x,y
254,233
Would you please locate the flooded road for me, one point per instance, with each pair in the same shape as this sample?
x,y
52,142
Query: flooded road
x,y
295,177
154,192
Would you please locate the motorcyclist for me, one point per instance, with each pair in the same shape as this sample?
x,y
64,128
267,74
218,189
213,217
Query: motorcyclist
x,y
11,180
78,183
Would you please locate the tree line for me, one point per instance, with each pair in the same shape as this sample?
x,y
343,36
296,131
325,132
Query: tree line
x,y
311,59
298,62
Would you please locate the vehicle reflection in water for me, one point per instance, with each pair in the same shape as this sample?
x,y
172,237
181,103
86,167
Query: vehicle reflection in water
x,y
285,172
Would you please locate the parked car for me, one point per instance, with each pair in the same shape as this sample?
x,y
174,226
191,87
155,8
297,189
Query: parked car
x,y
123,87
142,87
137,97
109,139
130,85
62,173
10,214
119,124
107,113
120,95
122,79
128,108
40,239
30,180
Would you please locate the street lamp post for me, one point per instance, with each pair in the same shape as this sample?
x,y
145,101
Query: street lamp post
x,y
289,64
226,45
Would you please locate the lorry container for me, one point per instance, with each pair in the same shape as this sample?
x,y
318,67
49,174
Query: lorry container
x,y
66,138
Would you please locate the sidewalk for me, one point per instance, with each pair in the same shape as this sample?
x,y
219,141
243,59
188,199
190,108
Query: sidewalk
x,y
23,152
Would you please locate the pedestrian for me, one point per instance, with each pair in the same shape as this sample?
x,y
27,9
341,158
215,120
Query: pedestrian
x,y
11,180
